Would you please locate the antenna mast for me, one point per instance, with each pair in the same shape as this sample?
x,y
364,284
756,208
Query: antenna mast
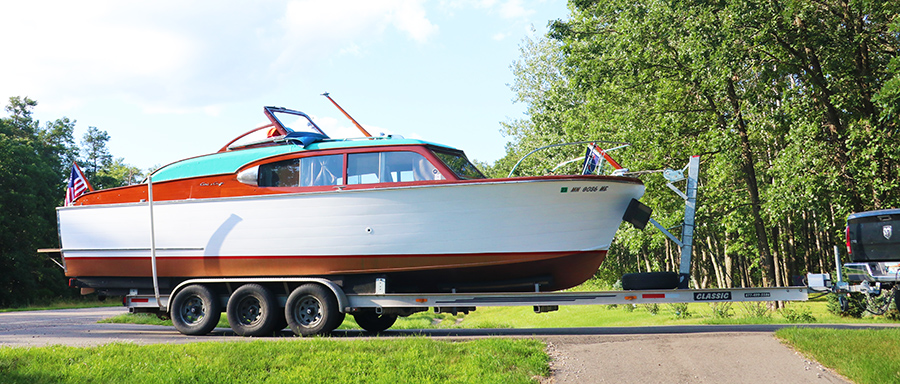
x,y
348,115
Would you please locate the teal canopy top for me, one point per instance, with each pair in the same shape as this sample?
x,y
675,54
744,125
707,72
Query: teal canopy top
x,y
230,161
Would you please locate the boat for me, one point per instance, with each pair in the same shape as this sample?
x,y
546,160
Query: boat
x,y
285,199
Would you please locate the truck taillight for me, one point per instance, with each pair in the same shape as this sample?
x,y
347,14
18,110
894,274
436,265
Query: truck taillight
x,y
847,235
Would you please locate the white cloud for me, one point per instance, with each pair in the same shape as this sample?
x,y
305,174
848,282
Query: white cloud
x,y
509,9
513,9
410,18
170,56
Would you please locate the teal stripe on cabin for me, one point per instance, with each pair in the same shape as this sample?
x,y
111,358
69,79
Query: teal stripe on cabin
x,y
230,162
218,163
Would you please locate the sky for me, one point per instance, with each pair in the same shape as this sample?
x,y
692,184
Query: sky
x,y
174,79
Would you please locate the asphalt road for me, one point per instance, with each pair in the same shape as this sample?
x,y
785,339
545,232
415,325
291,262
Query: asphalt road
x,y
659,354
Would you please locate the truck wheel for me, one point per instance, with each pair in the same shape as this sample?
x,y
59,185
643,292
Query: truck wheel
x,y
373,322
195,310
252,310
312,309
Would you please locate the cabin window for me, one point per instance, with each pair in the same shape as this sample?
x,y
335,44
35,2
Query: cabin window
x,y
459,164
303,172
389,167
322,170
280,174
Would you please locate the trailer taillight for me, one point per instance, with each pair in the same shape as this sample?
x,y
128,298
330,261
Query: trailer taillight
x,y
847,235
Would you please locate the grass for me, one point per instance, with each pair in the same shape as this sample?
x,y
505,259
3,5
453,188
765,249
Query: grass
x,y
82,302
863,356
316,360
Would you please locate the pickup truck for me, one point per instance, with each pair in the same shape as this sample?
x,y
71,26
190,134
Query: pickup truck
x,y
873,242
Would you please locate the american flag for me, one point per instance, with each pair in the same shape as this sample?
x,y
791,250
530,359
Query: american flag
x,y
78,185
594,157
591,160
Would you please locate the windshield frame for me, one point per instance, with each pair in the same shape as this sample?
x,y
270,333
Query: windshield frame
x,y
460,173
271,113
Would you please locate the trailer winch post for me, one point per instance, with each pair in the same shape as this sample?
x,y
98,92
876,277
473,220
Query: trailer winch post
x,y
690,174
687,230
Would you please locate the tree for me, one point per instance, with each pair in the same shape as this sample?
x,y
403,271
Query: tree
x,y
31,172
96,158
792,104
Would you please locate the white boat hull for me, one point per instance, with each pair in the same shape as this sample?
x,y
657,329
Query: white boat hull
x,y
384,230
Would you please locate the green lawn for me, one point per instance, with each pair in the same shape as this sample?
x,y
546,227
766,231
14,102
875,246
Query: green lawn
x,y
862,355
81,302
317,360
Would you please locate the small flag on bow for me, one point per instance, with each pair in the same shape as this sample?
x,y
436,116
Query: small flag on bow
x,y
78,185
594,158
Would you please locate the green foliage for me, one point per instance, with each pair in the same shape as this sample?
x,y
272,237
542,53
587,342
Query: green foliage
x,y
856,305
793,107
756,309
417,360
797,315
721,310
861,355
651,308
680,310
31,178
35,162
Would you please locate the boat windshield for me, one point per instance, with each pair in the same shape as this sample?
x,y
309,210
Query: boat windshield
x,y
459,164
295,121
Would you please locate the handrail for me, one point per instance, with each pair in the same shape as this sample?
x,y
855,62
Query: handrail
x,y
561,145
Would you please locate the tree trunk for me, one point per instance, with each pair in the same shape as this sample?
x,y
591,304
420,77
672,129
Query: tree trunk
x,y
749,175
729,267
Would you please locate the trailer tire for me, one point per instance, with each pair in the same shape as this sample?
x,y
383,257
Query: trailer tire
x,y
252,310
311,309
373,322
649,280
195,310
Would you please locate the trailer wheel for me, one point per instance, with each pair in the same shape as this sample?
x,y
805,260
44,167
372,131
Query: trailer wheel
x,y
195,310
252,310
373,322
312,309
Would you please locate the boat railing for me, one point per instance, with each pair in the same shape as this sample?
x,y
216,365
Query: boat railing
x,y
618,145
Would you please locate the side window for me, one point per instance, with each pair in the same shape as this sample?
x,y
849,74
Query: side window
x,y
303,172
389,167
280,174
458,163
322,170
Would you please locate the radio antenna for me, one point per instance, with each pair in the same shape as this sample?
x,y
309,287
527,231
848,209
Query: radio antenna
x,y
348,115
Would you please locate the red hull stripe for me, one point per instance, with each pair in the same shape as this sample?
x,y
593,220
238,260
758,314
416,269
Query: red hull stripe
x,y
283,257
